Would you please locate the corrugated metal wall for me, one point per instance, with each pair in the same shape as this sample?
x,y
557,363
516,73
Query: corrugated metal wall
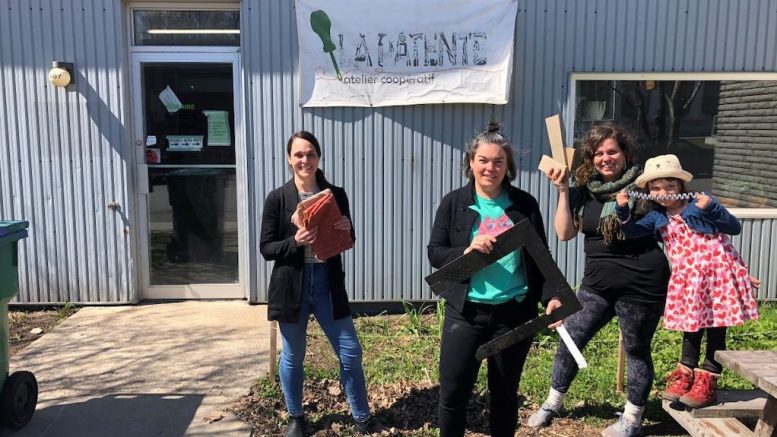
x,y
397,163
62,152
758,246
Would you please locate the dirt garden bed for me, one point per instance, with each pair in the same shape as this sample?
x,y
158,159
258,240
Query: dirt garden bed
x,y
400,365
27,325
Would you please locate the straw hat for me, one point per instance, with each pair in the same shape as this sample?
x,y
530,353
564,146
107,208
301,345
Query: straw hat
x,y
662,166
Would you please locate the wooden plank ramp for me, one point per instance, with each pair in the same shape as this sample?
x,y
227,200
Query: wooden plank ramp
x,y
734,403
708,427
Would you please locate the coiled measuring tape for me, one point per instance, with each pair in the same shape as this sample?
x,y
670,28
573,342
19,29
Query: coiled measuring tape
x,y
646,196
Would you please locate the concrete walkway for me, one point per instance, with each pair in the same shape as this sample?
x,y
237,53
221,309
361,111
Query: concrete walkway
x,y
163,369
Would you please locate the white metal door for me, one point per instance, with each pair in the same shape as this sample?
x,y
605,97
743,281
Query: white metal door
x,y
190,186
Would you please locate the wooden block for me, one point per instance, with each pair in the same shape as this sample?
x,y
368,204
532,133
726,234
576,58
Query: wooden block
x,y
620,372
273,348
768,384
723,427
556,137
570,154
767,424
547,163
709,427
767,378
734,403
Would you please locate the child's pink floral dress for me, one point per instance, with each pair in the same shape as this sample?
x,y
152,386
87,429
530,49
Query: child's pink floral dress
x,y
710,285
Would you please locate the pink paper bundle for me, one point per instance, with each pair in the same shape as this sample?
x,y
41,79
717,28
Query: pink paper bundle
x,y
321,211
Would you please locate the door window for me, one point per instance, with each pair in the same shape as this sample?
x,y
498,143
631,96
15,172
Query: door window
x,y
190,153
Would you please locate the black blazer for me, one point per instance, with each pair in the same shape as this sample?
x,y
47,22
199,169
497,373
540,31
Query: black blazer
x,y
451,231
277,244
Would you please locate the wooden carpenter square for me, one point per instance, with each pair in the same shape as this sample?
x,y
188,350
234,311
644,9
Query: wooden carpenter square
x,y
463,267
520,235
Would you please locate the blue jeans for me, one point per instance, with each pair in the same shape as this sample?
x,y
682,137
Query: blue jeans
x,y
342,336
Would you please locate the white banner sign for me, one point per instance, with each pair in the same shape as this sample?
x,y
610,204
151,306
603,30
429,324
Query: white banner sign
x,y
405,52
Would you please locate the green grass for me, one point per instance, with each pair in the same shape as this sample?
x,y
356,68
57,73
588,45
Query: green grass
x,y
267,389
406,348
65,311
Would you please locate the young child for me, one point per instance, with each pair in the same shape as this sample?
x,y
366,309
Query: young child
x,y
709,288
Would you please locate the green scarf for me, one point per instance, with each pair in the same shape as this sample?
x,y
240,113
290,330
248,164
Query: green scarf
x,y
609,225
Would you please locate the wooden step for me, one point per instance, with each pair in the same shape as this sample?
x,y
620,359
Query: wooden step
x,y
735,403
707,427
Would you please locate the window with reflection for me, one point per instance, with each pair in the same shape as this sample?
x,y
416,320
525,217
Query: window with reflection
x,y
186,28
181,102
723,132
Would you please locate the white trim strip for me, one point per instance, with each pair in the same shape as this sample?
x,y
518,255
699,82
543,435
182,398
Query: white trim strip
x,y
754,213
191,166
194,291
689,75
194,31
188,5
173,51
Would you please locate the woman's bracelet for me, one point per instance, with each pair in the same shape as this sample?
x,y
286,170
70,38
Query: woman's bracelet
x,y
646,196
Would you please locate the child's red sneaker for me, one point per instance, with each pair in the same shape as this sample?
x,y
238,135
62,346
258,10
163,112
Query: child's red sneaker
x,y
704,390
678,383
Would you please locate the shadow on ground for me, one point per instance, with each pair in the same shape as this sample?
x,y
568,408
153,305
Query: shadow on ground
x,y
115,415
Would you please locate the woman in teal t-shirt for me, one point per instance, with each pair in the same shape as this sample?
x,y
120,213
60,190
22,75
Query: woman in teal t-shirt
x,y
503,280
495,300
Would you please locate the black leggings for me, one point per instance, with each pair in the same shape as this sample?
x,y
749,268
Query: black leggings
x,y
637,322
462,334
716,341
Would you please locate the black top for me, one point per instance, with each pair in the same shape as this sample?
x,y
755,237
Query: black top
x,y
277,244
451,231
635,270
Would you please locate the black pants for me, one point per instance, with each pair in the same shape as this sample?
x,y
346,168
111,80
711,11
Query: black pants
x,y
638,323
462,334
716,341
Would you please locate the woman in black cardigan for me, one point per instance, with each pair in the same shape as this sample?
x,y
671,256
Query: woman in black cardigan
x,y
301,285
496,299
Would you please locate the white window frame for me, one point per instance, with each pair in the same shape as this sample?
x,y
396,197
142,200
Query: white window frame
x,y
178,6
569,109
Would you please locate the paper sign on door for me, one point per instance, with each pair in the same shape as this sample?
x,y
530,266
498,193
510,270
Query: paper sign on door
x,y
218,128
170,100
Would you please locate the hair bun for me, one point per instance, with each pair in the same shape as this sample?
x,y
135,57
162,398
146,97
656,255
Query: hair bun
x,y
493,126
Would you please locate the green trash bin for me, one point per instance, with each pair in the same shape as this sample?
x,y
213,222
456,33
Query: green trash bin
x,y
19,391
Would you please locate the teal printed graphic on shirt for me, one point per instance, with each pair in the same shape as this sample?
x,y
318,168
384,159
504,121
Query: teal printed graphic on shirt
x,y
504,279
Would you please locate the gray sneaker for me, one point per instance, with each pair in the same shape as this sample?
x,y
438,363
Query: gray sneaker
x,y
622,428
542,417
